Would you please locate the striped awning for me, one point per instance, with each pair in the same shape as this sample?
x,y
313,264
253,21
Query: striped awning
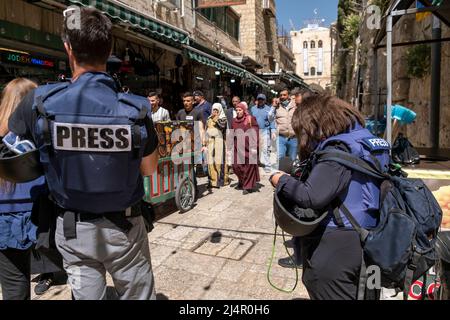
x,y
295,79
255,79
224,66
143,23
211,61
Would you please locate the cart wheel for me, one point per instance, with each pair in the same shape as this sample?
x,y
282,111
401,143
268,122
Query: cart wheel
x,y
185,195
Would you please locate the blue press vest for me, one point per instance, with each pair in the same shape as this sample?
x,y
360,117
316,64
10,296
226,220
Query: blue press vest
x,y
91,140
16,229
363,195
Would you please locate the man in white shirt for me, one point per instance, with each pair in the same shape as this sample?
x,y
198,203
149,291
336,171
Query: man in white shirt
x,y
158,113
231,112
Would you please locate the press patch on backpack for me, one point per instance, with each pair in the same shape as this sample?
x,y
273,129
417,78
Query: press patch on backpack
x,y
92,138
376,144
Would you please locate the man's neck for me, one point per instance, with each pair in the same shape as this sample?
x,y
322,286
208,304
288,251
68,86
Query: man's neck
x,y
154,110
80,70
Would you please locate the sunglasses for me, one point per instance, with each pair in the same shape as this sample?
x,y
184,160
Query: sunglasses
x,y
13,142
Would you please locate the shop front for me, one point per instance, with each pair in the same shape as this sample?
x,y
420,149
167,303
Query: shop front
x,y
40,68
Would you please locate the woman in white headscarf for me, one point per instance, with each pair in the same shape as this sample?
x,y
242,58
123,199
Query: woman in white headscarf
x,y
215,142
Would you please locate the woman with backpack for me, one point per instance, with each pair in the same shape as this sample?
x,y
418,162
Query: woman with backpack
x,y
332,254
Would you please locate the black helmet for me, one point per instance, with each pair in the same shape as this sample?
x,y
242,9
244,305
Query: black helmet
x,y
19,168
443,246
295,220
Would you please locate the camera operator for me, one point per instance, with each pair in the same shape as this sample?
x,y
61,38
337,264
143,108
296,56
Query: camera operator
x,y
332,254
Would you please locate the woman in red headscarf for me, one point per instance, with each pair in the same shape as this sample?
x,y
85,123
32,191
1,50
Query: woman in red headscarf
x,y
245,145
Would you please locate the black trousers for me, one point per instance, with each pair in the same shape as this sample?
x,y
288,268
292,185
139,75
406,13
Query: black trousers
x,y
15,277
331,264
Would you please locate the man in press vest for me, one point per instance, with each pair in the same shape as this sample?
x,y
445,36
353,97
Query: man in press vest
x,y
95,145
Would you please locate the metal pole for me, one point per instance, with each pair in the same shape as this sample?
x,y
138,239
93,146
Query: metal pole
x,y
389,78
435,85
375,100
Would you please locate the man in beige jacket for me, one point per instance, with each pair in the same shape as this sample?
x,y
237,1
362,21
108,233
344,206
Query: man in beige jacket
x,y
282,112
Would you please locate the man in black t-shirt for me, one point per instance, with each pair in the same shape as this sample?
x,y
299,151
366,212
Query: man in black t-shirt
x,y
189,113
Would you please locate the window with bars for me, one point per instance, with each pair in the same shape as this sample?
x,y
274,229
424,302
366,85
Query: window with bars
x,y
313,44
313,71
305,45
320,44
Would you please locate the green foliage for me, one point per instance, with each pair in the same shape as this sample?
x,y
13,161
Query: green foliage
x,y
351,29
383,4
418,59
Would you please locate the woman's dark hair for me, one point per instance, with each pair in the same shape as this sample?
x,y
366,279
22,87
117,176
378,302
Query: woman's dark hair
x,y
92,40
321,117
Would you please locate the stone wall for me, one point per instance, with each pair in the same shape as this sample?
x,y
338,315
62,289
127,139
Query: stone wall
x,y
408,91
258,34
210,36
29,15
157,10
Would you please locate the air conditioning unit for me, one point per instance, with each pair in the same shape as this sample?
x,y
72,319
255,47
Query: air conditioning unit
x,y
170,4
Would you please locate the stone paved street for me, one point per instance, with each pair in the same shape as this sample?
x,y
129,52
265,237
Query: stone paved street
x,y
219,250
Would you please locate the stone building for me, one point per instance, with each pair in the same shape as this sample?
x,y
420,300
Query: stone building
x,y
313,51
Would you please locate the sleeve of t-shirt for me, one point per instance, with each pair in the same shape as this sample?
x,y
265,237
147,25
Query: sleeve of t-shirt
x,y
178,116
166,115
23,119
152,142
199,116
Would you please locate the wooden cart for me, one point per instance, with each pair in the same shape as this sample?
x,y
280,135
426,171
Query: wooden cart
x,y
172,180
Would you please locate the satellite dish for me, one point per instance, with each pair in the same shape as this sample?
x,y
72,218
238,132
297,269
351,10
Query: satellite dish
x,y
316,11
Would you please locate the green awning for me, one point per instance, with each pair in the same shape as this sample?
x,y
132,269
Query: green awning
x,y
258,80
145,24
295,79
214,62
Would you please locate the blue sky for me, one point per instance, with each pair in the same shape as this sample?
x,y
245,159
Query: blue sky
x,y
301,10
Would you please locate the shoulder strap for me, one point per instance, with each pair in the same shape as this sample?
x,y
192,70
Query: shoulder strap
x,y
352,162
41,95
139,121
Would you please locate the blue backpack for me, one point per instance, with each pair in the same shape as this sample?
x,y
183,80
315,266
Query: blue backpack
x,y
403,243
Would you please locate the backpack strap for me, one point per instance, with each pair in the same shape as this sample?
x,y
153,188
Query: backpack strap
x,y
412,266
362,284
363,233
352,162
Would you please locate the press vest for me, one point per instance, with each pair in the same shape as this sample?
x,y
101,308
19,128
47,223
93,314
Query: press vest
x,y
362,197
21,198
91,140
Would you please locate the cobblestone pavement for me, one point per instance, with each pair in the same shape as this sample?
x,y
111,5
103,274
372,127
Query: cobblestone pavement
x,y
219,250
